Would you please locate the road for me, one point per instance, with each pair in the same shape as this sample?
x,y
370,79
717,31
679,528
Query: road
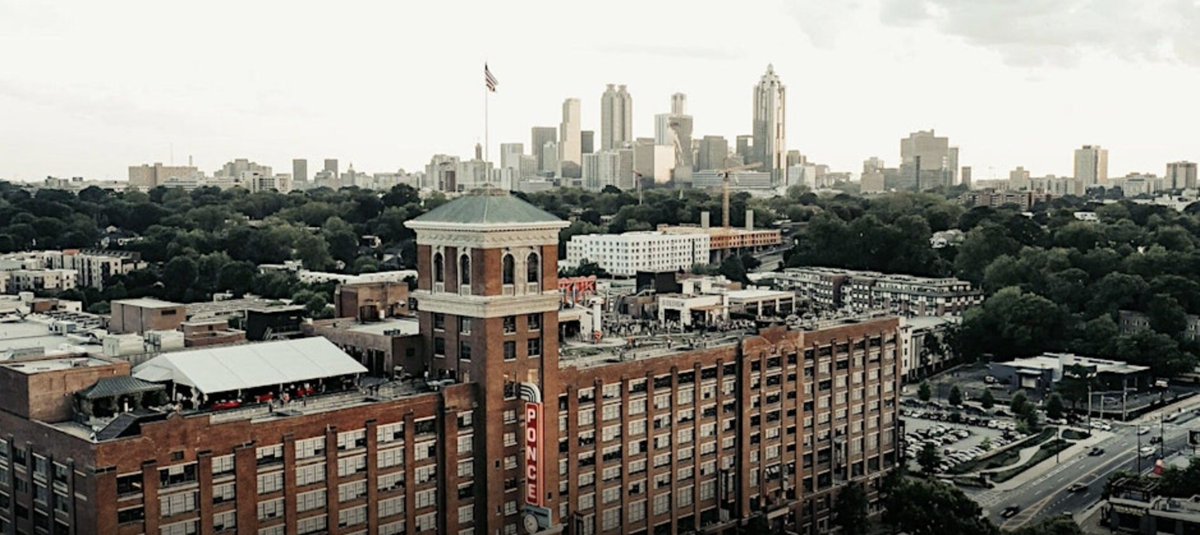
x,y
1046,496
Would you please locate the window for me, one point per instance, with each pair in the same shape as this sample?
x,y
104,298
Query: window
x,y
309,474
313,524
270,454
268,483
352,491
534,346
129,484
391,506
439,270
464,270
464,444
390,433
466,513
226,492
532,268
535,322
390,482
439,347
464,351
510,324
175,504
352,517
351,465
439,321
352,440
510,350
187,527
225,520
309,501
509,270
464,325
222,464
390,458
427,522
426,498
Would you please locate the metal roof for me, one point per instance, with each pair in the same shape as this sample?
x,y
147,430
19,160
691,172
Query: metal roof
x,y
240,367
487,207
111,387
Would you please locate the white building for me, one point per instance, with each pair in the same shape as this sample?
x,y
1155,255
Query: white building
x,y
570,145
626,254
601,169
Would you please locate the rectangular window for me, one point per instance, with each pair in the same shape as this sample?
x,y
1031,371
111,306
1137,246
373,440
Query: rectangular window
x,y
510,325
270,482
534,345
352,491
510,350
310,474
390,482
439,347
308,501
535,322
439,322
270,509
464,325
222,464
464,351
175,504
352,517
225,521
315,524
389,433
391,506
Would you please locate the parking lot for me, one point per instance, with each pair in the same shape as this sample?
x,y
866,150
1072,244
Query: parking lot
x,y
956,442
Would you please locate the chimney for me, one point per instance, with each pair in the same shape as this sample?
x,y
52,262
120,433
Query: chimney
x,y
749,219
704,219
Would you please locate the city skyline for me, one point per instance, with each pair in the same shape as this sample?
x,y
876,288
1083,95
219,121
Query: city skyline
x,y
73,110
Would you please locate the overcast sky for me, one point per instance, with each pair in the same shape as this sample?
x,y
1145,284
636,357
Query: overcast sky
x,y
88,88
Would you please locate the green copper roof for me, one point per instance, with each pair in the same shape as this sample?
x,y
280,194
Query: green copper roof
x,y
487,207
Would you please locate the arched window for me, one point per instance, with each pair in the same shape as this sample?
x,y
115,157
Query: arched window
x,y
464,270
439,270
509,269
532,268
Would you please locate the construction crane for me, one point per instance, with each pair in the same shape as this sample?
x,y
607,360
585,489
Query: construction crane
x,y
724,174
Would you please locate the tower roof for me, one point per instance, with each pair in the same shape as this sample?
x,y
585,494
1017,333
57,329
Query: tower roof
x,y
485,207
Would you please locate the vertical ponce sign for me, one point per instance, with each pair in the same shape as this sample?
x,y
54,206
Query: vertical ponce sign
x,y
533,454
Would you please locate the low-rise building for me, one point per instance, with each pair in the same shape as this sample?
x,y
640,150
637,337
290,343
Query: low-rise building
x,y
1025,200
1039,374
145,314
370,301
1132,321
1134,506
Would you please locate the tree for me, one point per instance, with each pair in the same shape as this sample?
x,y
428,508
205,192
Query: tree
x,y
1018,402
850,510
986,445
1054,407
928,458
236,277
586,268
1166,315
924,392
1012,323
955,398
921,507
733,270
987,400
178,277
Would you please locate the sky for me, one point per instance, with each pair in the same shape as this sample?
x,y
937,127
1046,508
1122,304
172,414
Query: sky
x,y
89,88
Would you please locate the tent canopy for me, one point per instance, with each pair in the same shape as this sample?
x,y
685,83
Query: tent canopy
x,y
242,367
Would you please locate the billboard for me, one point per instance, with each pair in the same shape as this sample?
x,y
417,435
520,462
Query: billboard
x,y
533,454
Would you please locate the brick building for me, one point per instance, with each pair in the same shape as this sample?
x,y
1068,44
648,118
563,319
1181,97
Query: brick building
x,y
500,431
837,288
145,314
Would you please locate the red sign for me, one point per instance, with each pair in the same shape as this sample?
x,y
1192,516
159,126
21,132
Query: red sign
x,y
533,454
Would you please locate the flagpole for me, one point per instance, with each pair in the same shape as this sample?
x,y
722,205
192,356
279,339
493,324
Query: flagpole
x,y
486,90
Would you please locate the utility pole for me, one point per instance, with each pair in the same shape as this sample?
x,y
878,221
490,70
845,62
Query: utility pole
x,y
1138,454
1162,438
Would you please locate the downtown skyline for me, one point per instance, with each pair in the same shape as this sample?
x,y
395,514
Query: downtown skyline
x,y
76,111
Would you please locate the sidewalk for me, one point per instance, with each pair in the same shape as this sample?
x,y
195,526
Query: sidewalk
x,y
1079,448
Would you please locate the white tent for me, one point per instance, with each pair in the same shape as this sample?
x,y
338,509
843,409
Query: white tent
x,y
247,366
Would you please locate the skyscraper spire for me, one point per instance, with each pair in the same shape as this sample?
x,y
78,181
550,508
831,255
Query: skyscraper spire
x,y
770,140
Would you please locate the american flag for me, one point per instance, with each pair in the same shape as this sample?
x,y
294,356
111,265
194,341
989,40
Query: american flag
x,y
488,79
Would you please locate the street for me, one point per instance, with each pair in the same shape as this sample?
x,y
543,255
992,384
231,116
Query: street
x,y
1047,495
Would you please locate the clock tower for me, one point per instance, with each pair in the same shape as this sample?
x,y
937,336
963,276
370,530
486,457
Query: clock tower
x,y
487,299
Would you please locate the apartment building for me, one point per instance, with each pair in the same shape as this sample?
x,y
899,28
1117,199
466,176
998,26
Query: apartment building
x,y
495,427
628,253
836,288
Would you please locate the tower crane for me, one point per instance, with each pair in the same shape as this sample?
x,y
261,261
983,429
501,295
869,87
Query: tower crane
x,y
724,174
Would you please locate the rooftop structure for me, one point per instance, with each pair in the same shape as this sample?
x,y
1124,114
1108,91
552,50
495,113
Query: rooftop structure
x,y
833,288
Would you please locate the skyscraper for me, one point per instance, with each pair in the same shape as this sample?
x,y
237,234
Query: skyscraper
x,y
1180,175
745,148
510,157
713,150
770,140
587,141
674,130
679,104
927,161
299,170
331,166
570,144
539,137
966,176
1091,165
616,118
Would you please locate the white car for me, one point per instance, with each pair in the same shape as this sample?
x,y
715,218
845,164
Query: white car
x,y
1148,451
1143,430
